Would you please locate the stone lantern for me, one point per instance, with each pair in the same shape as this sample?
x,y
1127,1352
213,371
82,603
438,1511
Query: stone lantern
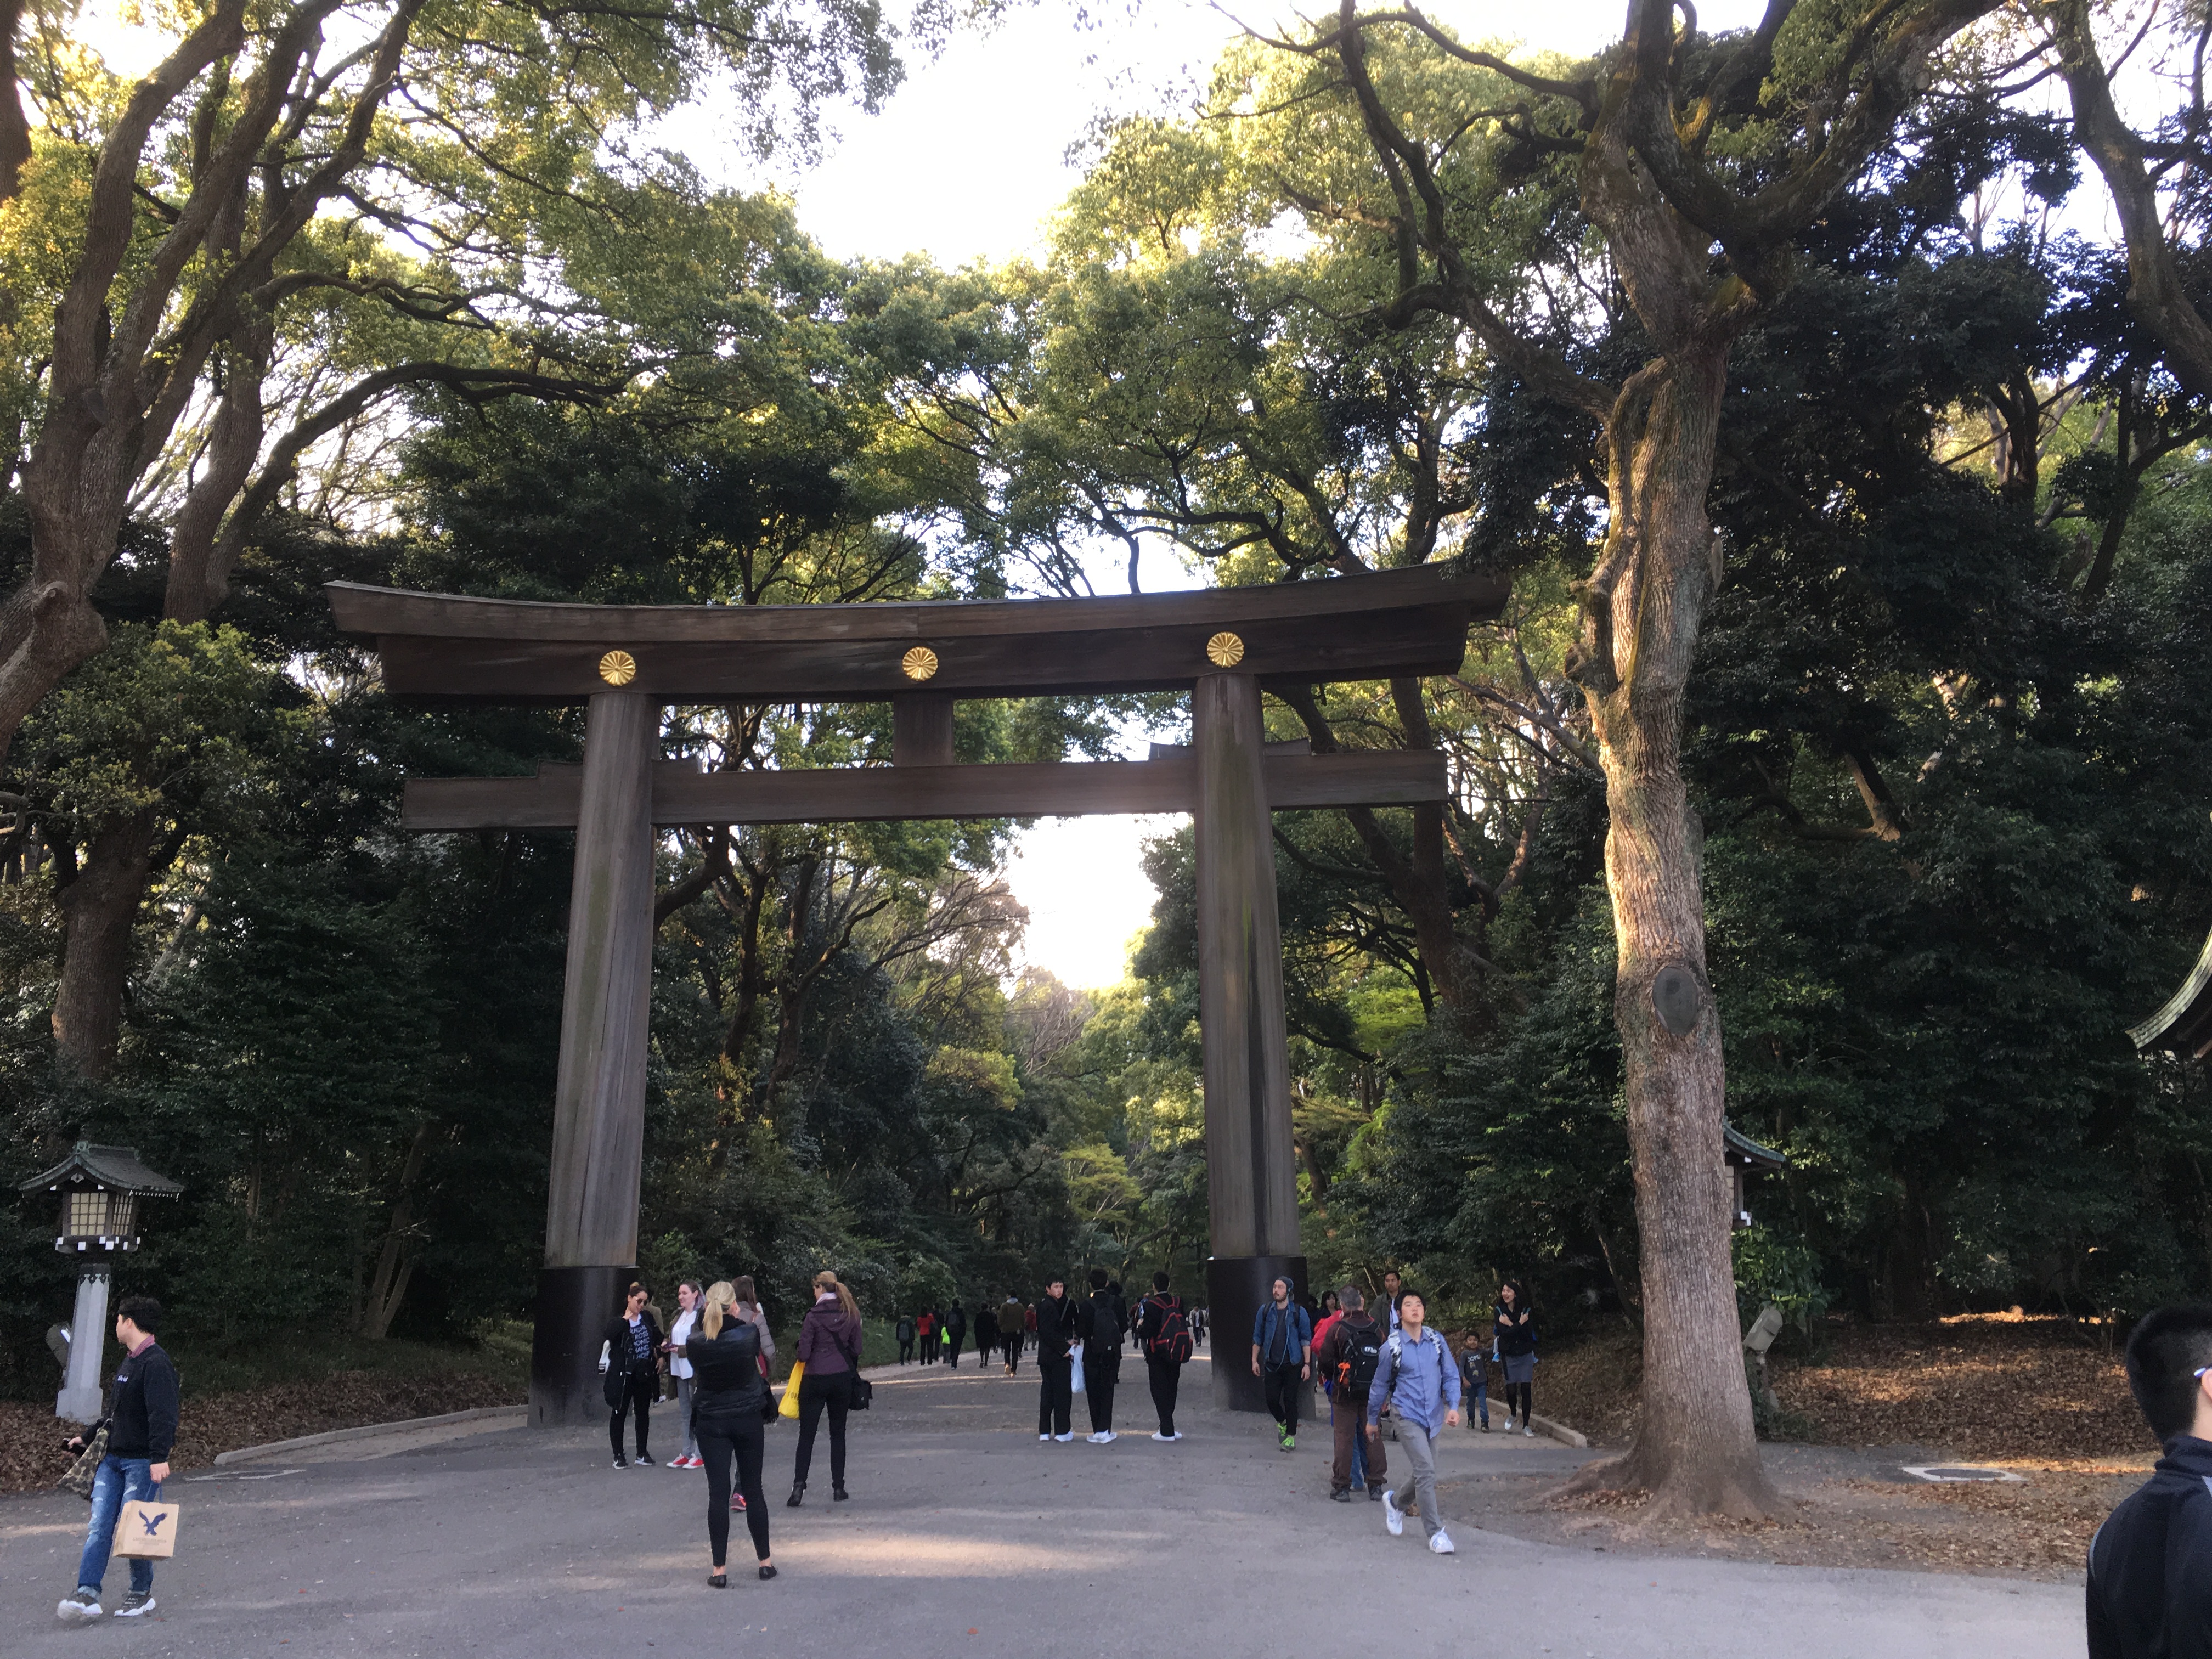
x,y
99,1188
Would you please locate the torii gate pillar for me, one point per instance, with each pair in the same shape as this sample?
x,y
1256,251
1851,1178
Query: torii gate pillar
x,y
1251,1177
599,1100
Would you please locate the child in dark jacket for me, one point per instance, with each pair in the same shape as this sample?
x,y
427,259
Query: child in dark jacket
x,y
1474,1371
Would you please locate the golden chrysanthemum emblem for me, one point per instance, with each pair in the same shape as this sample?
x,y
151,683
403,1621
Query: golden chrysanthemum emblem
x,y
918,664
1225,650
618,668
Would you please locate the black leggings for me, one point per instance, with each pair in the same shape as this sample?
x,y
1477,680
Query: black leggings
x,y
718,1438
637,1392
1526,1392
835,1391
906,1351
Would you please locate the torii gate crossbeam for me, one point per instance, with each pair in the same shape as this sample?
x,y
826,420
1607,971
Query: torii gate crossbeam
x,y
1223,644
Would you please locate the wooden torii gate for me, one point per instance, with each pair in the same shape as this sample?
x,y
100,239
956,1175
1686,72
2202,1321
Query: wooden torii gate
x,y
1224,646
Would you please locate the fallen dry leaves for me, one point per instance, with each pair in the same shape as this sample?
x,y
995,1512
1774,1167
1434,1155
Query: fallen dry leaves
x,y
2039,1396
32,1456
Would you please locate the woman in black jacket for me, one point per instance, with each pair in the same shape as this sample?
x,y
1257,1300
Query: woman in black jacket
x,y
1513,1324
633,1342
729,1406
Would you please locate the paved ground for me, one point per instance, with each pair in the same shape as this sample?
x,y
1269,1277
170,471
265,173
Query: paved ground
x,y
965,1537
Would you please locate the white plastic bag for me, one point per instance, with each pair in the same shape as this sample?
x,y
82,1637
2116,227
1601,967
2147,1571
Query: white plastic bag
x,y
606,1354
1075,1364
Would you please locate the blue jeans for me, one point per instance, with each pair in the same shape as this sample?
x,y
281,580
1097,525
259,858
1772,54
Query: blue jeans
x,y
120,1481
1479,1385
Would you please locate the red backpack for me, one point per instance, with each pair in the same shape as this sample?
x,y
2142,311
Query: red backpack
x,y
1173,1341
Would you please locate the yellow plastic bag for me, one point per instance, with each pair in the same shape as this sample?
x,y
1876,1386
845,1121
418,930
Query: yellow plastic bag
x,y
789,1407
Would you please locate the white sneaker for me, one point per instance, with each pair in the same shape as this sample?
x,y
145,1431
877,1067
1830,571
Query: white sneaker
x,y
1527,1432
1095,1438
1156,1435
1065,1438
79,1604
1441,1544
1106,1437
1391,1518
1043,1438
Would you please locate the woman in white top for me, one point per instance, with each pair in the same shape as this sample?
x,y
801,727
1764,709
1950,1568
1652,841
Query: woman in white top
x,y
687,1298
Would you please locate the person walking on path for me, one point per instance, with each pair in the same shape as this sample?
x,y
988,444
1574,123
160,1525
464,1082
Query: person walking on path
x,y
1282,1358
679,1369
829,1348
1517,1353
141,1428
1164,1338
1416,1376
1394,1292
1055,1330
1474,1376
987,1333
632,1340
1099,1322
1348,1353
956,1329
926,1327
730,1401
1014,1323
904,1331
2150,1564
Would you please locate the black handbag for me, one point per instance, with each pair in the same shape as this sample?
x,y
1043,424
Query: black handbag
x,y
864,1392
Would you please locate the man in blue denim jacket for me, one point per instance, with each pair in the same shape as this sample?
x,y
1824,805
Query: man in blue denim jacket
x,y
1418,1380
142,1427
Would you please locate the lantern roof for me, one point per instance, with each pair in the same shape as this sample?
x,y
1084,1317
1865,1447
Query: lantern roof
x,y
116,1167
1741,1148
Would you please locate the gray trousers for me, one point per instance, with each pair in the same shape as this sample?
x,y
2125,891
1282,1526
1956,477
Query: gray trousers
x,y
1420,1449
684,1414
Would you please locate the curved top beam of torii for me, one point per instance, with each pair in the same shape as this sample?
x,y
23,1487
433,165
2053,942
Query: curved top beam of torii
x,y
1373,627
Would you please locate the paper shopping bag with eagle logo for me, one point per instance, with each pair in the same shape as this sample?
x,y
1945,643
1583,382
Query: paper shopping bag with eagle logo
x,y
146,1531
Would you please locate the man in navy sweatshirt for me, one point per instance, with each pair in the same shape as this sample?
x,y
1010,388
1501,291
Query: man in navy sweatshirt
x,y
142,1427
2150,1563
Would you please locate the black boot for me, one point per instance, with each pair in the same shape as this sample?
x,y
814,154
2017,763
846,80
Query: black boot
x,y
837,1492
797,1495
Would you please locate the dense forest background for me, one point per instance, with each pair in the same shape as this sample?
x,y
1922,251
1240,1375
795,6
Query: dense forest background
x,y
1948,740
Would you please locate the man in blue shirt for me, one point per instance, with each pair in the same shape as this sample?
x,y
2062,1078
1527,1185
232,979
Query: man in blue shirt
x,y
1282,1357
1417,1377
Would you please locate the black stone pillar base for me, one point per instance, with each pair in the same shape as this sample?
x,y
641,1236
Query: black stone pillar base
x,y
1235,1286
573,1306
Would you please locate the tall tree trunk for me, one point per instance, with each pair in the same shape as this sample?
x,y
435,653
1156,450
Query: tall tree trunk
x,y
1697,1448
100,907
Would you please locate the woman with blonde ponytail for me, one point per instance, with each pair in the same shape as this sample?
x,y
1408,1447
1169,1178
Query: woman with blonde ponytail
x,y
829,1348
729,1399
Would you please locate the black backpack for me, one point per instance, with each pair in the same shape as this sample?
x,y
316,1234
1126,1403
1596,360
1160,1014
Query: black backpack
x,y
1363,1351
1173,1341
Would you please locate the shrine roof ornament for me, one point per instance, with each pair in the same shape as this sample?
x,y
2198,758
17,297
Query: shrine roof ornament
x,y
1339,628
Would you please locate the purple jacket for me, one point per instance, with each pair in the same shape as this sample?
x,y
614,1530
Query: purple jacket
x,y
827,1337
